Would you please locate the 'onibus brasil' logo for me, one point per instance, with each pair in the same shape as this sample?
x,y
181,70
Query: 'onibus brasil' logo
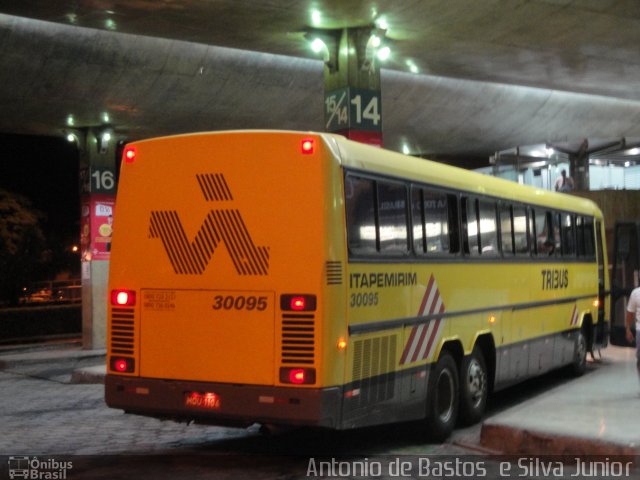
x,y
220,226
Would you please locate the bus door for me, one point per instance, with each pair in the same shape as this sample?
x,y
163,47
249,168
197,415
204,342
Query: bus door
x,y
624,276
601,339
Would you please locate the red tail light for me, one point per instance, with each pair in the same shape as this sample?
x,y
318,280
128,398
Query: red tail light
x,y
122,364
298,302
298,376
129,154
123,298
307,146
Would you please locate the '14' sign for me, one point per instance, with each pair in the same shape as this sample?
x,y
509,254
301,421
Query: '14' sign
x,y
353,108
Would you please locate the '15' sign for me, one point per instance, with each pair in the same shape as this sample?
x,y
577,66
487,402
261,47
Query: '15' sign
x,y
353,108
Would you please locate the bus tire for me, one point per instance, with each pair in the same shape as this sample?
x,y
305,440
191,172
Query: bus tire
x,y
474,387
579,362
442,398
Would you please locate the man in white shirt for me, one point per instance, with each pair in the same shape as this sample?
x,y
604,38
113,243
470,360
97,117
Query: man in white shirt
x,y
633,312
563,183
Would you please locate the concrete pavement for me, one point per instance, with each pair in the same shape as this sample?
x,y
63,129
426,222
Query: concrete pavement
x,y
593,414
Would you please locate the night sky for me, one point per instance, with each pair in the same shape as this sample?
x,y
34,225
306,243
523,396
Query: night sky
x,y
45,170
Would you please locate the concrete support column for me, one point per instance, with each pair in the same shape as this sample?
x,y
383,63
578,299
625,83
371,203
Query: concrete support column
x,y
579,170
97,198
353,104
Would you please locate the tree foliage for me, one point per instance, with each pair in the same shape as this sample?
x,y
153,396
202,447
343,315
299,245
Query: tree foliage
x,y
22,244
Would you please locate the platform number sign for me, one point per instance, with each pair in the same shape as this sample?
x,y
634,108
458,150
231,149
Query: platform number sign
x,y
353,108
103,180
96,179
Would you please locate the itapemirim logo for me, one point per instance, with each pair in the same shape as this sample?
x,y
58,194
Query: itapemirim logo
x,y
38,468
220,226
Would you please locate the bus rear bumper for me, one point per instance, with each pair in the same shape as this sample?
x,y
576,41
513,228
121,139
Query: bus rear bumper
x,y
224,404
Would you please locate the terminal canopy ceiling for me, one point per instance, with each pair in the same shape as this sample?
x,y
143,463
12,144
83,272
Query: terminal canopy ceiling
x,y
464,77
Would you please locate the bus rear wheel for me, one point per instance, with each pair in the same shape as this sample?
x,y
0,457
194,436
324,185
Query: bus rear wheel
x,y
442,398
474,387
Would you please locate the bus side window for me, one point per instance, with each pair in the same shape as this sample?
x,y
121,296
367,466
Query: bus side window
x,y
557,236
506,230
545,239
437,214
470,226
568,233
454,232
589,238
520,230
361,218
417,220
488,228
392,218
580,247
435,222
531,226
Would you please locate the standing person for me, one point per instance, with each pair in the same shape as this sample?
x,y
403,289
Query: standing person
x,y
564,183
633,312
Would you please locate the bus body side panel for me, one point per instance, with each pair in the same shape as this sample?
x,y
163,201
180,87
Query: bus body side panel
x,y
377,389
401,314
533,326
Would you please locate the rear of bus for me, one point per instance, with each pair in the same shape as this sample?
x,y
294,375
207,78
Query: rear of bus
x,y
226,293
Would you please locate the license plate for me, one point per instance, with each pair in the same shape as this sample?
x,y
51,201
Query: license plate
x,y
202,400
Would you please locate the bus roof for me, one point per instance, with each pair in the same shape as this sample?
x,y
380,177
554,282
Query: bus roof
x,y
376,160
372,159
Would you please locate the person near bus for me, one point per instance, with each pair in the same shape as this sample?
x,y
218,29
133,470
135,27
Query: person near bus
x,y
564,183
633,311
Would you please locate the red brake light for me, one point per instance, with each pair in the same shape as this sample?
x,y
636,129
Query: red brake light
x,y
298,304
122,364
298,376
123,298
129,154
307,146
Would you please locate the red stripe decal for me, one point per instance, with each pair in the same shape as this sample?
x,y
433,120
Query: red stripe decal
x,y
423,336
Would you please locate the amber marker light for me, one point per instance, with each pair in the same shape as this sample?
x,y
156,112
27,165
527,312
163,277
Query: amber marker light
x,y
342,344
596,302
492,319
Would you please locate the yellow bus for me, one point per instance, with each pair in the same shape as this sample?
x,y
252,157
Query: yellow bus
x,y
290,278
